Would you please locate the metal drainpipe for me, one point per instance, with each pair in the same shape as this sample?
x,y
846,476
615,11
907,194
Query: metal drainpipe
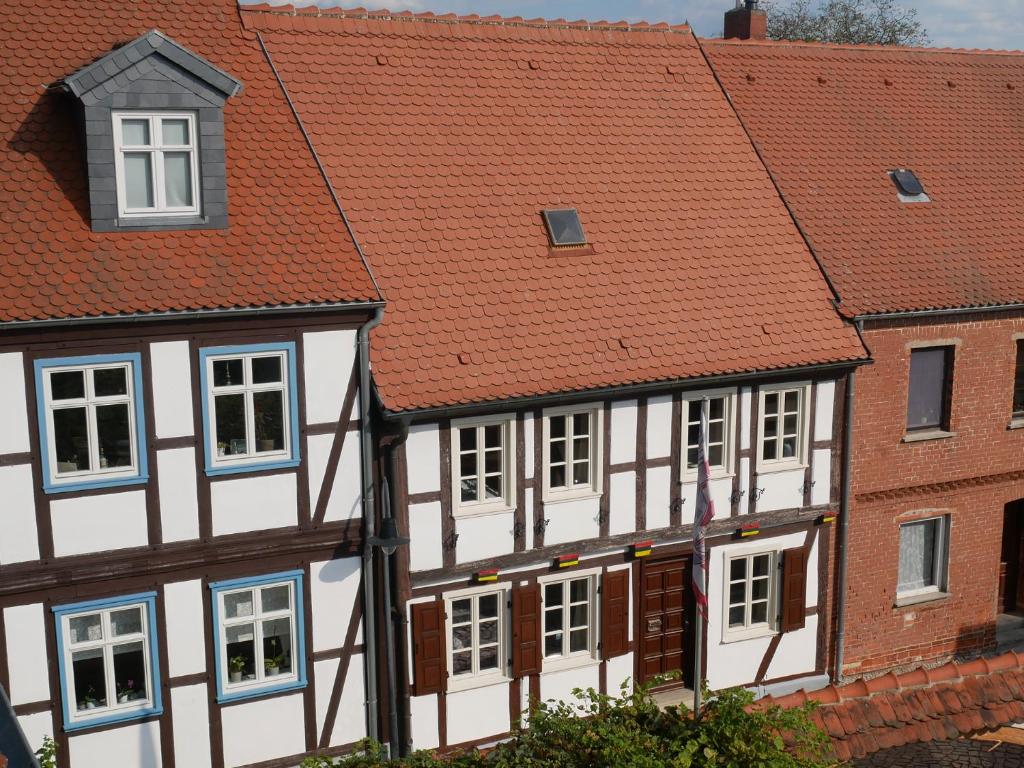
x,y
369,527
399,627
394,742
844,528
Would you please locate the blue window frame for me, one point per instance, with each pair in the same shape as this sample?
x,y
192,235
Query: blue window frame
x,y
259,635
92,427
250,407
108,660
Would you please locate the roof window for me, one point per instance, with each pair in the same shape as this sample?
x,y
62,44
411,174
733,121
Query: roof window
x,y
908,186
564,226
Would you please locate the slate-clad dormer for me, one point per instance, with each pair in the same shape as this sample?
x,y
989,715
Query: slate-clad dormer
x,y
154,136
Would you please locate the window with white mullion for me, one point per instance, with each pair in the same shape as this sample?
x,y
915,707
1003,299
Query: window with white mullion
x,y
571,450
750,591
248,398
156,163
257,634
482,463
782,426
719,430
568,618
476,634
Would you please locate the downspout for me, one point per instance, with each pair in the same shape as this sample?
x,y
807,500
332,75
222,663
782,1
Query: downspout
x,y
844,527
402,738
369,523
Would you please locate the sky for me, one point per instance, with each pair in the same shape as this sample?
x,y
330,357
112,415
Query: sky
x,y
953,23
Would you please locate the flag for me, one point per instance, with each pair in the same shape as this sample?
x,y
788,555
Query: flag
x,y
704,513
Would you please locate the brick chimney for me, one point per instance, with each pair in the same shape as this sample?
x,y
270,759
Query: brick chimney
x,y
746,21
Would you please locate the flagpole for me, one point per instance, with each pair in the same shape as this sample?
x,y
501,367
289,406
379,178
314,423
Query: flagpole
x,y
698,652
698,639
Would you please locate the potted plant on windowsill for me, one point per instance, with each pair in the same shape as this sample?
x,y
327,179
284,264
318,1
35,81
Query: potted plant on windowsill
x,y
236,666
264,436
89,700
126,692
272,664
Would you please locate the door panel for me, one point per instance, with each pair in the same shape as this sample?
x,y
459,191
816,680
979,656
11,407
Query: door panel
x,y
666,601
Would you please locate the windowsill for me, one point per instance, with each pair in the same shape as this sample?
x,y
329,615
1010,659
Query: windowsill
x,y
920,598
767,469
556,664
749,634
927,434
461,513
157,220
83,485
455,685
558,497
266,690
1017,422
256,466
715,475
113,717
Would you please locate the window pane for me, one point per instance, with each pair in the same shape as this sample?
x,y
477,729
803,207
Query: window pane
x,y
556,426
488,606
126,622
557,451
578,640
737,593
558,476
268,417
492,462
792,400
138,180
228,373
552,594
241,652
715,457
462,611
266,370
761,563
788,447
467,465
553,645
715,430
229,413
758,613
736,616
581,448
492,436
771,402
789,425
238,604
581,473
581,424
90,675
769,449
462,637
135,133
578,615
579,590
771,426
462,663
492,488
84,629
130,672
67,385
469,489
488,658
917,555
488,632
113,431
175,132
927,385
691,457
1018,380
467,439
276,598
178,179
110,382
70,440
277,646
716,408
759,589
553,620
693,434
737,569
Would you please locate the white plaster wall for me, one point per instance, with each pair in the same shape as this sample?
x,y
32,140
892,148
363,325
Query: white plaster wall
x,y
344,503
172,388
823,409
572,520
423,458
623,437
253,503
484,536
736,663
328,357
99,523
622,503
425,536
136,744
423,712
659,426
25,629
721,490
659,497
35,727
528,514
19,542
262,729
528,446
558,685
350,724
782,490
191,726
821,474
745,400
186,649
14,435
334,589
620,669
478,713
744,507
179,503
324,672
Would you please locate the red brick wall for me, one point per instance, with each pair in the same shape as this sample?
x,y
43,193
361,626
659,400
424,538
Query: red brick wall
x,y
969,476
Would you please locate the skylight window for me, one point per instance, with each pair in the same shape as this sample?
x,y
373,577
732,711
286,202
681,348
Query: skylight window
x,y
564,227
908,186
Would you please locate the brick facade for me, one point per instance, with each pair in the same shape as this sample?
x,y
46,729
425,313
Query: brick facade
x,y
969,476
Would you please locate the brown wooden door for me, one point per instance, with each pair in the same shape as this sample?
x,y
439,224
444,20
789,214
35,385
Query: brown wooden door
x,y
665,604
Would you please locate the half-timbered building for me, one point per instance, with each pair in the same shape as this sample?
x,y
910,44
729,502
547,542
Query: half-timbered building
x,y
579,247
183,322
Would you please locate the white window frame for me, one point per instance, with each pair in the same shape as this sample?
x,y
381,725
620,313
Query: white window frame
x,y
579,658
247,390
112,708
90,402
779,464
262,680
507,501
156,148
692,400
940,563
582,490
477,679
750,630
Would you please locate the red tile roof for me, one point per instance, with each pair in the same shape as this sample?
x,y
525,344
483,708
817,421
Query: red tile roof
x,y
286,245
445,139
923,705
831,121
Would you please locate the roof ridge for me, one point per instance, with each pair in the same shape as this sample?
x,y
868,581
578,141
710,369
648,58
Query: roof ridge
x,y
862,47
473,19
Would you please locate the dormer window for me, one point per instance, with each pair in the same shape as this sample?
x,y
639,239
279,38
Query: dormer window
x,y
909,188
155,163
564,227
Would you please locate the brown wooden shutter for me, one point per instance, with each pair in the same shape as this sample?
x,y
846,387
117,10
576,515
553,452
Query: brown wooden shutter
x,y
430,668
794,588
526,630
615,613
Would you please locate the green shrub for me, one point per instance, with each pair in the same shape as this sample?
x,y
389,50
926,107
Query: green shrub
x,y
47,754
631,731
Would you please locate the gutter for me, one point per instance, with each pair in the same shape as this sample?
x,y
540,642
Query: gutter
x,y
952,312
844,527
